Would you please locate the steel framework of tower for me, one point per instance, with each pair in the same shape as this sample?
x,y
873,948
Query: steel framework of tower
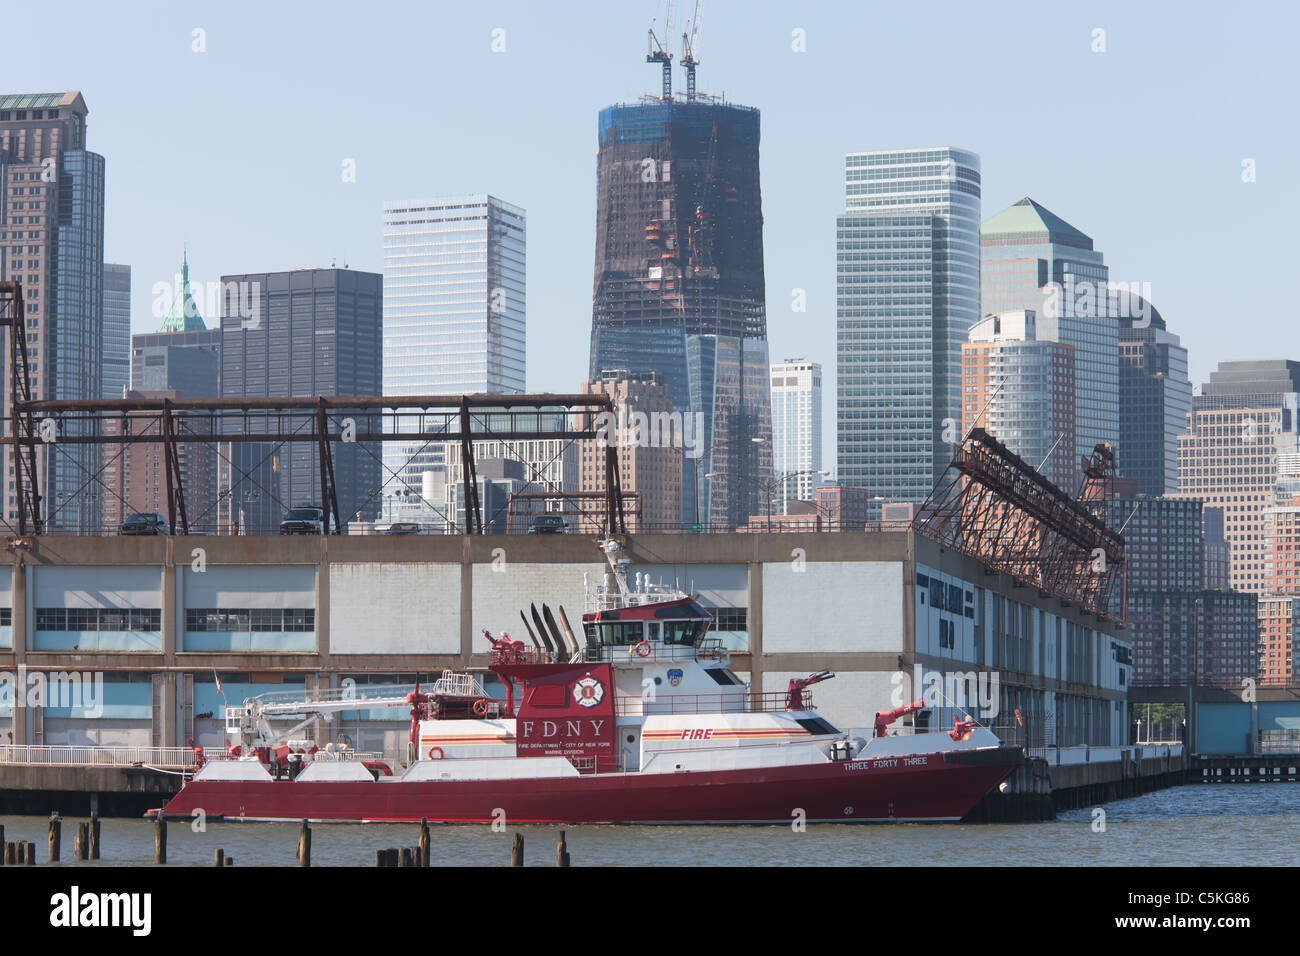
x,y
992,506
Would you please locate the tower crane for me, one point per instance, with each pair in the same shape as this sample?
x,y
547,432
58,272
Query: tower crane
x,y
689,59
655,53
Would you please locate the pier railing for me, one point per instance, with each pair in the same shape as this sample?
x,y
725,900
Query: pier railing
x,y
172,758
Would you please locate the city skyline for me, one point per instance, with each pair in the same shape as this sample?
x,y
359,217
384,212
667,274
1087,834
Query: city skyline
x,y
1134,202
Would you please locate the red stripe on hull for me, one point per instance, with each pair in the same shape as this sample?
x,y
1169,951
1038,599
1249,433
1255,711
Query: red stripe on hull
x,y
826,792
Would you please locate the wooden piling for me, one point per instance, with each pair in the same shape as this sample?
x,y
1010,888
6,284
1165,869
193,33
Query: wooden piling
x,y
94,836
304,845
81,842
424,841
2,845
219,858
405,859
228,861
159,839
56,838
561,852
11,854
517,851
379,858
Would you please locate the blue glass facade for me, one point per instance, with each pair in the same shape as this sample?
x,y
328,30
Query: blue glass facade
x,y
907,292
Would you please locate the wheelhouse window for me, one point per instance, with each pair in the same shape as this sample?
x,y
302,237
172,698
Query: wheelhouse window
x,y
687,633
614,633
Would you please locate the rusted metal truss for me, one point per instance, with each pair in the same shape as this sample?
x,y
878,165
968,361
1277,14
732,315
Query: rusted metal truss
x,y
992,506
36,429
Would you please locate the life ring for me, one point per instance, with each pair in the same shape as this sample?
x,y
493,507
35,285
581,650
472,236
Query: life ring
x,y
480,707
642,650
435,753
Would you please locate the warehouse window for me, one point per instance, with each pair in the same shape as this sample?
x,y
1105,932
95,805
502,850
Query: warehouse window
x,y
98,619
277,620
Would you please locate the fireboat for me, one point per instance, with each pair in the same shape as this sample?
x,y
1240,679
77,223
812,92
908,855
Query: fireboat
x,y
643,722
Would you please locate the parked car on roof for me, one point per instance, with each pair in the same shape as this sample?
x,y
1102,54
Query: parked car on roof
x,y
549,524
144,523
403,527
303,520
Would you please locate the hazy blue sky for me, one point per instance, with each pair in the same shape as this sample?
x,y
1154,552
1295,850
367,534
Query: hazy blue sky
x,y
237,151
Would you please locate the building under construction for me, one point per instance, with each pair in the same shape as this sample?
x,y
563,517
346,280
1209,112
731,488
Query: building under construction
x,y
679,289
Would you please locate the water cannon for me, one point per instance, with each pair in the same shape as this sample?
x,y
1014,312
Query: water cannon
x,y
794,693
886,717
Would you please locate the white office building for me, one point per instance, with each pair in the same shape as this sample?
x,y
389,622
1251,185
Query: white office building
x,y
796,429
454,308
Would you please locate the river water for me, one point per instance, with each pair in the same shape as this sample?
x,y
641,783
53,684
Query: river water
x,y
1195,825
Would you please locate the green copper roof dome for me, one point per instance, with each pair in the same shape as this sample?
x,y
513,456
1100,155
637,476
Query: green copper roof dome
x,y
184,315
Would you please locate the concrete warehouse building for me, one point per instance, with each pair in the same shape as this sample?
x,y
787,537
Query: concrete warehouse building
x,y
149,622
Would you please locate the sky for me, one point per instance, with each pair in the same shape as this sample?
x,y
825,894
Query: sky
x,y
1166,131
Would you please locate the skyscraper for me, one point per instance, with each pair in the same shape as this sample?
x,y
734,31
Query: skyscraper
x,y
52,241
454,316
679,287
907,292
796,429
1033,259
117,330
1245,420
1155,395
180,361
1181,628
1020,389
312,332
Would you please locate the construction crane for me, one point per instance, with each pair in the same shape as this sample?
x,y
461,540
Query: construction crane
x,y
689,60
655,52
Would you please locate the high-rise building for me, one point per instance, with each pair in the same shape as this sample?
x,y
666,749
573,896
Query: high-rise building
x,y
180,363
52,241
796,429
1033,259
1155,395
1020,389
1279,640
117,330
1246,419
1181,629
907,293
679,288
650,451
454,319
312,332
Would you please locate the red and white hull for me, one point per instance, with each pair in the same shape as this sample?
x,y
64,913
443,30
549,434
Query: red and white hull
x,y
932,788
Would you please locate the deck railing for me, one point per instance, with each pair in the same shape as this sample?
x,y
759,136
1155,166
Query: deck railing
x,y
736,703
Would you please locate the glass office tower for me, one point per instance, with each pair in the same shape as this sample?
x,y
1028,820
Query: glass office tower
x,y
1034,259
454,316
52,241
117,330
907,293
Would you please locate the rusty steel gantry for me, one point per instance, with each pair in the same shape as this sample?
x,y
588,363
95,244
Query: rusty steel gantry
x,y
992,506
36,427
